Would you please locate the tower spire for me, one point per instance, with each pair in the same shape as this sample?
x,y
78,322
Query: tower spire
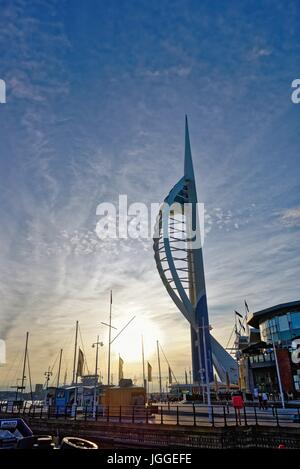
x,y
188,162
187,288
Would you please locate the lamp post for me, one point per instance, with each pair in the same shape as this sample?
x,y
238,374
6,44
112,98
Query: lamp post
x,y
203,327
96,344
201,385
277,371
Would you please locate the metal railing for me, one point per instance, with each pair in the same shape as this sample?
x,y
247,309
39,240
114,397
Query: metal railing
x,y
168,414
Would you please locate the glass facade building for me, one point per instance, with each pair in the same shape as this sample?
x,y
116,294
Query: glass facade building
x,y
279,329
283,328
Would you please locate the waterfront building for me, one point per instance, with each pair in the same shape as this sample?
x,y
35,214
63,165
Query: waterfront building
x,y
273,330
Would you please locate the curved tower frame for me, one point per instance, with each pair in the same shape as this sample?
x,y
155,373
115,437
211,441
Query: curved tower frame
x,y
179,260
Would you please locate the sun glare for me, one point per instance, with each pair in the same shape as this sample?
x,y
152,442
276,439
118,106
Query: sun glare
x,y
129,344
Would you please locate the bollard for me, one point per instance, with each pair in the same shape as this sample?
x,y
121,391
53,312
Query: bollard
x,y
212,416
245,417
224,415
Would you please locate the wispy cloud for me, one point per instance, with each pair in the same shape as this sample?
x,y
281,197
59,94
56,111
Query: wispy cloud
x,y
97,112
258,52
291,217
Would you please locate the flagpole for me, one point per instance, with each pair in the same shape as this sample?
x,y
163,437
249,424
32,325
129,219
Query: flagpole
x,y
159,369
109,340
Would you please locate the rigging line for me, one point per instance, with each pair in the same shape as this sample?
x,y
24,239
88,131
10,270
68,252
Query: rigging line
x,y
54,362
54,379
127,324
69,346
177,230
228,342
14,379
176,220
83,349
6,378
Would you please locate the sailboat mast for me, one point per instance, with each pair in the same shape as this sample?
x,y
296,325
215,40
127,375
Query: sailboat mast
x,y
75,355
109,340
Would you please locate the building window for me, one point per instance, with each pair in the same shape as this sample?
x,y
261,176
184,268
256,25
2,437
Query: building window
x,y
281,328
295,320
283,323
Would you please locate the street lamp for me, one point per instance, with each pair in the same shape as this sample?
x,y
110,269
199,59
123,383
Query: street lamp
x,y
277,370
96,374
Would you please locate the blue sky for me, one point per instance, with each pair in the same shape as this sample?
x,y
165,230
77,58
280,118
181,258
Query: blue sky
x,y
96,97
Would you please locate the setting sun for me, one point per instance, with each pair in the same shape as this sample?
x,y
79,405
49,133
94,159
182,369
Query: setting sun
x,y
129,344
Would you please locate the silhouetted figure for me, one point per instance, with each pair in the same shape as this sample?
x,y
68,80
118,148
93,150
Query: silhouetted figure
x,y
265,400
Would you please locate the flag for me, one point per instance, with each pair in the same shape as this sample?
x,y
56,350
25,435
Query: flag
x,y
149,372
238,314
80,362
242,325
246,306
111,297
170,375
186,377
121,363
